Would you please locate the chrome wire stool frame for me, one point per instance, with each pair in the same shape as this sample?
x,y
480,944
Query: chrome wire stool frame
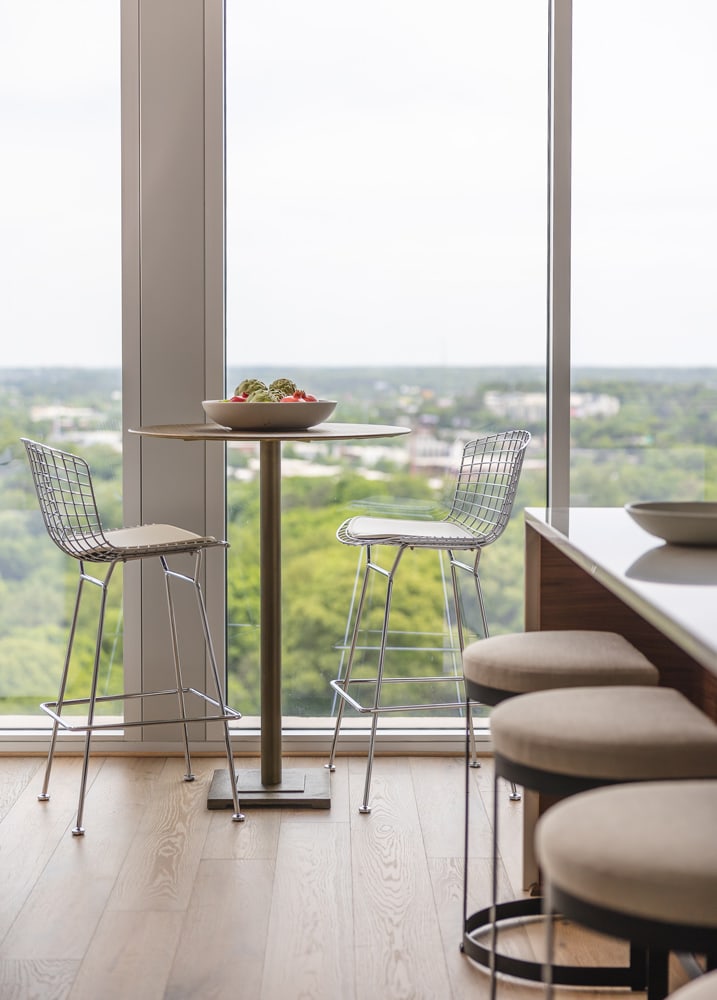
x,y
416,510
483,499
66,496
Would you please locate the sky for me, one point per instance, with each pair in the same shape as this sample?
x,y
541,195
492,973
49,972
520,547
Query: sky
x,y
60,292
386,182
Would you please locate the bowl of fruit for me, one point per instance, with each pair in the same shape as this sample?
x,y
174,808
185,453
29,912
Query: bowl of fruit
x,y
280,405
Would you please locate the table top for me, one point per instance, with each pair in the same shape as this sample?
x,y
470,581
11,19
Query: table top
x,y
322,432
674,587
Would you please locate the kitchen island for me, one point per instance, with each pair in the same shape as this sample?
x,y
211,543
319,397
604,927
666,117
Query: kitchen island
x,y
595,568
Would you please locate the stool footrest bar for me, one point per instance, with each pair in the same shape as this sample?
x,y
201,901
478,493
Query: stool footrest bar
x,y
562,975
225,714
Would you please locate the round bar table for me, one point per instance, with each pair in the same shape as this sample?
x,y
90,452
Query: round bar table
x,y
271,785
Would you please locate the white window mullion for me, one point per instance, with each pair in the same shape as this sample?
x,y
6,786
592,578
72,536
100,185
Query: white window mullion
x,y
173,323
559,250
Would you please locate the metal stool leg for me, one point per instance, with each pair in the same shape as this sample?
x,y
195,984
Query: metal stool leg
x,y
456,661
657,973
238,816
466,827
494,894
44,795
78,830
348,627
350,661
364,807
479,593
638,967
461,646
515,795
188,776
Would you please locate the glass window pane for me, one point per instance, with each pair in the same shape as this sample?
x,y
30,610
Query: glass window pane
x,y
385,248
644,215
60,310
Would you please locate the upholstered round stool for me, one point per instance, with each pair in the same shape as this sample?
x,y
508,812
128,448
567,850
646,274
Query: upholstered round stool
x,y
638,863
570,740
704,988
505,665
502,666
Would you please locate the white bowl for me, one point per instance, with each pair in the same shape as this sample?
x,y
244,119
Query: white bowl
x,y
268,416
677,522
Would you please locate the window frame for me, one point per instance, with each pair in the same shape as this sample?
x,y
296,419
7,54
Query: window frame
x,y
173,336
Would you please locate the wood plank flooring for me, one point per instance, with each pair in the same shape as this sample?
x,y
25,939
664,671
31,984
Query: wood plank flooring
x,y
164,900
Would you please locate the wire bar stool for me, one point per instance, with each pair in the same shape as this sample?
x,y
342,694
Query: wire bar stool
x,y
66,496
483,499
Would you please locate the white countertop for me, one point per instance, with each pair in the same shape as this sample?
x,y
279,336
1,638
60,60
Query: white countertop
x,y
673,587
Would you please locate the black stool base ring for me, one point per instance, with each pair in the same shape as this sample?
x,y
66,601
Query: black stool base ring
x,y
562,975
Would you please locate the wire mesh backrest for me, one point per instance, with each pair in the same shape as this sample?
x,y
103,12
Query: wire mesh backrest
x,y
67,500
488,482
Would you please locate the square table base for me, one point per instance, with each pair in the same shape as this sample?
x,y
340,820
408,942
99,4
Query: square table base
x,y
310,788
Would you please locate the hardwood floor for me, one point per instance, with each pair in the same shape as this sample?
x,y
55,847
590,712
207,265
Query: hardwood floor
x,y
165,899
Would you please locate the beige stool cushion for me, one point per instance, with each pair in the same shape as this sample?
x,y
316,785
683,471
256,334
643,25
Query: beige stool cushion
x,y
536,661
607,733
646,850
704,988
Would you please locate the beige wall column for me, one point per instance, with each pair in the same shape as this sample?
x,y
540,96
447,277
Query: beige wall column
x,y
173,309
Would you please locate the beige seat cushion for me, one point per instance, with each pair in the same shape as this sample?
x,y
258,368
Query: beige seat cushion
x,y
607,733
647,850
377,528
704,988
156,536
536,661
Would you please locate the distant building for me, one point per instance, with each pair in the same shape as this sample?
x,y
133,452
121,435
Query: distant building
x,y
80,424
593,404
529,407
65,415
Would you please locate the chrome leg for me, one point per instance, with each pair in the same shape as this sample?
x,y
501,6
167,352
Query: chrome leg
x,y
494,895
461,645
474,762
364,807
350,661
79,830
479,592
238,816
188,776
456,661
44,794
348,631
466,831
515,795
